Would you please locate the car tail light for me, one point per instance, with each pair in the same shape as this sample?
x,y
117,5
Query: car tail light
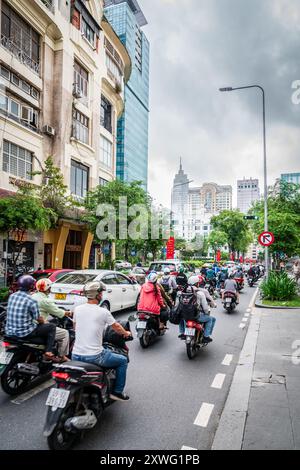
x,y
60,375
77,292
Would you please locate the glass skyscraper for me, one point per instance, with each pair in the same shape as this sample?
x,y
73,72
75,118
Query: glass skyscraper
x,y
127,19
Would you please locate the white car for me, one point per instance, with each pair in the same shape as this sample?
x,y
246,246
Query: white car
x,y
122,265
121,291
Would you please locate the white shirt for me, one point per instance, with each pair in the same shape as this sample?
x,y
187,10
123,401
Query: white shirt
x,y
91,321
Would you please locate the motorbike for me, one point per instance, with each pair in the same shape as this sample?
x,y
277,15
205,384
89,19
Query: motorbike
x,y
251,281
22,362
229,302
210,287
148,327
81,393
240,283
3,308
194,333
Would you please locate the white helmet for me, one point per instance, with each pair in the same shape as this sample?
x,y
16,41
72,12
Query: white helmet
x,y
193,280
93,288
43,285
167,271
152,277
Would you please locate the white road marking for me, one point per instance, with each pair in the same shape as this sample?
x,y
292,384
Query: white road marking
x,y
245,319
204,414
187,448
242,325
227,360
248,310
27,395
218,381
247,315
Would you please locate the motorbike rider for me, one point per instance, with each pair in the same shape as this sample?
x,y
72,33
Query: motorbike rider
x,y
151,299
47,307
181,279
204,312
90,321
168,282
24,319
231,286
252,273
211,277
199,283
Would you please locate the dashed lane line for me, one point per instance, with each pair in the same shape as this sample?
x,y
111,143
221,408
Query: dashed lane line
x,y
204,415
218,381
27,395
227,360
242,325
187,448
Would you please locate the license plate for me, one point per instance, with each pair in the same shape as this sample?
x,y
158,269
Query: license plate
x,y
60,296
141,325
190,332
57,397
228,300
5,357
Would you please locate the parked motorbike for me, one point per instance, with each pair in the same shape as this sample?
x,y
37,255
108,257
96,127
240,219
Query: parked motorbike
x,y
22,362
194,333
80,395
148,327
229,302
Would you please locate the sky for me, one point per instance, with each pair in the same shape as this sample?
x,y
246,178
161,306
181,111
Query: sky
x,y
198,46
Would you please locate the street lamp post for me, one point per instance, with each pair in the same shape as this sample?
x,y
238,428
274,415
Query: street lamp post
x,y
265,163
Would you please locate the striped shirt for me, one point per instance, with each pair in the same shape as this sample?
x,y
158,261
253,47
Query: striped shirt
x,y
22,311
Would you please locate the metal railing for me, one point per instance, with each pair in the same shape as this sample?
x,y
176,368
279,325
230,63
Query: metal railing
x,y
49,4
20,54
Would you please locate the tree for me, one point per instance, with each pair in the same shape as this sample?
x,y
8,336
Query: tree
x,y
21,213
232,223
283,220
217,240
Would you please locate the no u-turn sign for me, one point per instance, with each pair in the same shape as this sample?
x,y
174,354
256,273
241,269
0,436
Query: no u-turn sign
x,y
266,238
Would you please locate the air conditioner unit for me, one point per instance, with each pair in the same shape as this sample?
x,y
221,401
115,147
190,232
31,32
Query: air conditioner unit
x,y
77,92
49,130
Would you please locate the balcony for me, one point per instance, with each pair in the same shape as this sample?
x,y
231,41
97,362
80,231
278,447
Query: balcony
x,y
49,4
20,54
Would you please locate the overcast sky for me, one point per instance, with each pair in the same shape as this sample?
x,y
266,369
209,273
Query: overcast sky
x,y
198,46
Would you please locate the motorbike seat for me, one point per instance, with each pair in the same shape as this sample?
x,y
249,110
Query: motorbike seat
x,y
17,340
84,365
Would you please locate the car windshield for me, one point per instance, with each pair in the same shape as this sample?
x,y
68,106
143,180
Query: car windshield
x,y
161,266
75,278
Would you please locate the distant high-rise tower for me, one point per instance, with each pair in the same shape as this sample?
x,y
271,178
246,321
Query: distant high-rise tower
x,y
127,19
247,193
180,203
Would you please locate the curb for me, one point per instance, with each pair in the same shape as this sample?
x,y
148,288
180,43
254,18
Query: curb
x,y
230,432
273,307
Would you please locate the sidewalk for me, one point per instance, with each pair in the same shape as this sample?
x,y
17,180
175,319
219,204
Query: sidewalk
x,y
263,406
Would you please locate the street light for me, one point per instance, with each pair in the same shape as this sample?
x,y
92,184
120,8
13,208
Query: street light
x,y
265,161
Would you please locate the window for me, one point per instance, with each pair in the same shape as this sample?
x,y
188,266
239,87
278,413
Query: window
x,y
19,38
87,32
80,127
5,72
109,280
17,160
106,114
106,149
22,84
20,112
81,78
103,182
79,179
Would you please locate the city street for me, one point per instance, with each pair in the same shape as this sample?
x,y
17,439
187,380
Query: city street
x,y
175,403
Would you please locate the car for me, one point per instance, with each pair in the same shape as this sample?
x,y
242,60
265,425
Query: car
x,y
119,264
139,274
52,274
122,292
173,265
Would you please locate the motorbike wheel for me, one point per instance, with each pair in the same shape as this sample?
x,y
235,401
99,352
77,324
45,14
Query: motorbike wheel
x,y
12,381
191,349
145,340
61,439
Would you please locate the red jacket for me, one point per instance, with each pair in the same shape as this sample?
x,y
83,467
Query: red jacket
x,y
151,299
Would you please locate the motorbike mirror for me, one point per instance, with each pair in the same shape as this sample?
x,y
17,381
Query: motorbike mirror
x,y
132,318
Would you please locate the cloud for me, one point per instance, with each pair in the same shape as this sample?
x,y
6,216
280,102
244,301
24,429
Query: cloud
x,y
198,46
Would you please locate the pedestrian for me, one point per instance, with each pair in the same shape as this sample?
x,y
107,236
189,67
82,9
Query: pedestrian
x,y
296,270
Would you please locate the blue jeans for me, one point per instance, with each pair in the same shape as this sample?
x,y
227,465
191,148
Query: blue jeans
x,y
202,318
108,359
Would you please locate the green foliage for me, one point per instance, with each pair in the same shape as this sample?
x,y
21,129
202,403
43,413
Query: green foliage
x,y
232,223
284,219
4,294
279,286
23,212
217,239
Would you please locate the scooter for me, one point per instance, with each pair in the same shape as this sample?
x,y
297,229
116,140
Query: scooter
x,y
230,301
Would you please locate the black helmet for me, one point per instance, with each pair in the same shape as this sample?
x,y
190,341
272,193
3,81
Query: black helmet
x,y
26,283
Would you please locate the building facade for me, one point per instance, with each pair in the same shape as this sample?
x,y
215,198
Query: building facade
x,y
62,71
291,178
193,208
127,19
248,192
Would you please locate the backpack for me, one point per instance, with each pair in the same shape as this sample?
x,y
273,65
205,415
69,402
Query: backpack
x,y
188,306
165,283
175,316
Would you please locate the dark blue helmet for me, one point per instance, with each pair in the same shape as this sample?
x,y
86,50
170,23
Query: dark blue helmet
x,y
26,282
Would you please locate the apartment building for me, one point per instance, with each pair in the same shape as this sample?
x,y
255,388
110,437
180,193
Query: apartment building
x,y
63,71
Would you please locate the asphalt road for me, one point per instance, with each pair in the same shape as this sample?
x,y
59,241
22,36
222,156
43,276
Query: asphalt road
x,y
173,403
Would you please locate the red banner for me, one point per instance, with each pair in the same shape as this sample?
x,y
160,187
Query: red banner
x,y
218,256
171,248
